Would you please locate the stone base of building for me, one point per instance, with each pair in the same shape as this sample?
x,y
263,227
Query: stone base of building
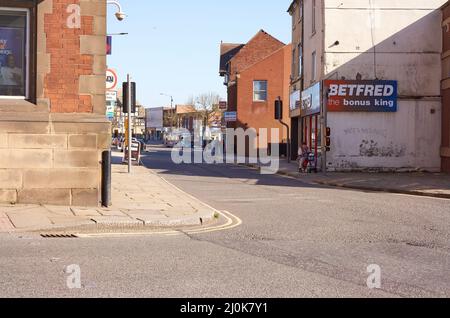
x,y
52,158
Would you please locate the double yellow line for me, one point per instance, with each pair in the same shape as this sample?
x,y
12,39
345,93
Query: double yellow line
x,y
232,221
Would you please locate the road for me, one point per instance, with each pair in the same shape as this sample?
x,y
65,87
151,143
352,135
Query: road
x,y
296,240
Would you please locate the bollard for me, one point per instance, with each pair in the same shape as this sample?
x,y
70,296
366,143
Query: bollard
x,y
106,178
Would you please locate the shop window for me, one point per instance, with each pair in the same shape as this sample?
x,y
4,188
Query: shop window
x,y
14,60
17,49
260,91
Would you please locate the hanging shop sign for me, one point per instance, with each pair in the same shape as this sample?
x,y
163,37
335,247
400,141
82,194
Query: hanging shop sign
x,y
361,96
311,98
223,105
294,102
230,116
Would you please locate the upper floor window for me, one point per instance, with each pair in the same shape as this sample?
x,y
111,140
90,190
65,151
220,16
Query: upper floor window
x,y
294,56
313,66
300,60
300,11
260,91
14,48
313,16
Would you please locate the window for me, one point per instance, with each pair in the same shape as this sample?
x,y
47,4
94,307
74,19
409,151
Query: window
x,y
300,11
14,52
300,60
260,91
293,64
314,66
313,16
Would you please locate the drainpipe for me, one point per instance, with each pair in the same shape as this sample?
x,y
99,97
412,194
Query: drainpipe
x,y
324,96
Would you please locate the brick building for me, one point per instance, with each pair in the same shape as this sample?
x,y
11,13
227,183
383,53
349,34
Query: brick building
x,y
445,150
53,127
256,74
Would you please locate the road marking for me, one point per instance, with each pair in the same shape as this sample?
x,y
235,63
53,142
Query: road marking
x,y
232,222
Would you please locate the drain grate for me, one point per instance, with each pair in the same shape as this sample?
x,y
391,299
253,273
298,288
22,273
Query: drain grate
x,y
48,235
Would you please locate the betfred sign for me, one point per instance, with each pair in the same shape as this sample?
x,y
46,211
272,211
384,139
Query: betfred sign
x,y
362,96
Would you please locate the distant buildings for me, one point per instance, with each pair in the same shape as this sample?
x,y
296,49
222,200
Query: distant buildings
x,y
154,126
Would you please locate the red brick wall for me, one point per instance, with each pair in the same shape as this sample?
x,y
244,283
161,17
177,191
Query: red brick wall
x,y
261,46
61,85
276,69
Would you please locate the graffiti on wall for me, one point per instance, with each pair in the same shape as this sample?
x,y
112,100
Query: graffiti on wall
x,y
371,148
367,131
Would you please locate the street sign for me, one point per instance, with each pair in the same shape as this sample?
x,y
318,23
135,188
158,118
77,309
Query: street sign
x,y
110,111
223,105
230,116
111,79
135,153
111,96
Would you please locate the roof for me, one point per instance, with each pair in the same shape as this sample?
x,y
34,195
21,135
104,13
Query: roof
x,y
445,5
291,6
227,51
287,46
185,109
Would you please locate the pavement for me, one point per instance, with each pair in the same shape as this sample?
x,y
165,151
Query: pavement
x,y
412,183
140,199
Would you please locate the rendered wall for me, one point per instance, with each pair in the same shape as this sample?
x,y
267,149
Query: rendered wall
x,y
387,40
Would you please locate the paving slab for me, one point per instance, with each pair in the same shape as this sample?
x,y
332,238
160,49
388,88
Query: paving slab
x,y
5,225
105,212
29,220
60,210
85,212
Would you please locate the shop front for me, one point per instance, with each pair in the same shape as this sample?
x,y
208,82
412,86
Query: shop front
x,y
311,130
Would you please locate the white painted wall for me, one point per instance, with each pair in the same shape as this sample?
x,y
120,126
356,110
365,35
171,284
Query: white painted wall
x,y
406,36
409,139
312,41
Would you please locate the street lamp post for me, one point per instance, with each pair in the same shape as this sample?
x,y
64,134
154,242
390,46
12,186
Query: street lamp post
x,y
120,15
171,106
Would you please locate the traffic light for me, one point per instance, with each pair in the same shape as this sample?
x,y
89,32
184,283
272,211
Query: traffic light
x,y
125,97
278,109
328,139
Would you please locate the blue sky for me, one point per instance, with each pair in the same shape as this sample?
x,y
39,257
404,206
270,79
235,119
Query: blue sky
x,y
173,46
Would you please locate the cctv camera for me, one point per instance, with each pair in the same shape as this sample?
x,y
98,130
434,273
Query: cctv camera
x,y
120,16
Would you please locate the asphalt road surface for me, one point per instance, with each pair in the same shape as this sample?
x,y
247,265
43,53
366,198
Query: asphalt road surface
x,y
296,240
